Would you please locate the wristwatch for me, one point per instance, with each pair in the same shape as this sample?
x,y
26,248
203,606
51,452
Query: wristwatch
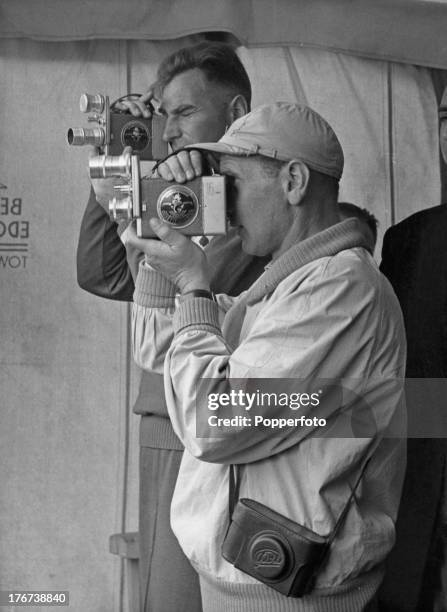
x,y
195,293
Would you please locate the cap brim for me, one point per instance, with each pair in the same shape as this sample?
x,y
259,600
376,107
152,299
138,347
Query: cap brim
x,y
220,148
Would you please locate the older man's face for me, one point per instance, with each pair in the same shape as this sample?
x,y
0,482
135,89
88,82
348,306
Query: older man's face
x,y
258,207
195,109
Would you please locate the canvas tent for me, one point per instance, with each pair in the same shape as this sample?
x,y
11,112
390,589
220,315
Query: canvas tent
x,y
68,439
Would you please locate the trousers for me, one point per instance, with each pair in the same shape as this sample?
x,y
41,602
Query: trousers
x,y
168,582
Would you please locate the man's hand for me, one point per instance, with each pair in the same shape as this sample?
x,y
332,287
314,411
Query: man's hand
x,y
174,255
139,108
184,166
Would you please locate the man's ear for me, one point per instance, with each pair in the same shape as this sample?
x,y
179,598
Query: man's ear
x,y
238,107
295,181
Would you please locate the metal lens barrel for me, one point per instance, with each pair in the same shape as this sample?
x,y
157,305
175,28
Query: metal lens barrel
x,y
91,102
121,208
105,166
86,136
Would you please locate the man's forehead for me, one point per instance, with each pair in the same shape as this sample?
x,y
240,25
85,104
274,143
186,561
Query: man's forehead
x,y
188,87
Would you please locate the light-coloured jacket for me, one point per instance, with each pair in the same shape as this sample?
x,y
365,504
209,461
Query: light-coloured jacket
x,y
322,314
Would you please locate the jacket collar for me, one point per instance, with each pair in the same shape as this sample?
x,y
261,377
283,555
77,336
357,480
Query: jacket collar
x,y
344,235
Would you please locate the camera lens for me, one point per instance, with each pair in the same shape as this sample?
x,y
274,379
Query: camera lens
x,y
89,102
120,208
86,136
104,166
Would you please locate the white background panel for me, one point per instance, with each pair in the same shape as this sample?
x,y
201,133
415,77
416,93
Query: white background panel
x,y
61,368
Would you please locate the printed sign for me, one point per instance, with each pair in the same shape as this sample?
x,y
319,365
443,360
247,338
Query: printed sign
x,y
14,233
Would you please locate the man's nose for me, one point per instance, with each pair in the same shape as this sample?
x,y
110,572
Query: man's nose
x,y
171,131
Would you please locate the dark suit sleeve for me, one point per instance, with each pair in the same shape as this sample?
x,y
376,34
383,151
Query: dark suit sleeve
x,y
389,257
104,267
412,256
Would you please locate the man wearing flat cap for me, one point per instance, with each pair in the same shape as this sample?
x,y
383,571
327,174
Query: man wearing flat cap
x,y
321,321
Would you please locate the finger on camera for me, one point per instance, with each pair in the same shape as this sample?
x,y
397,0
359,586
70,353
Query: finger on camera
x,y
146,111
140,107
196,161
149,246
148,95
136,108
172,170
181,167
191,162
167,234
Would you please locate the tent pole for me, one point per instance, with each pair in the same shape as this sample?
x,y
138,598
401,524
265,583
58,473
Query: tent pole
x,y
390,129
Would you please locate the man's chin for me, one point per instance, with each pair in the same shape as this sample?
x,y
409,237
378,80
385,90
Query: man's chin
x,y
245,242
241,233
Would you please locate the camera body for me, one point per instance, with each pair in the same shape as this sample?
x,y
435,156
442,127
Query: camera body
x,y
273,549
195,208
117,130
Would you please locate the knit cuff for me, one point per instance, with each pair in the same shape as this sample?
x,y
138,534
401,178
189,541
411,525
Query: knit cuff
x,y
152,289
198,313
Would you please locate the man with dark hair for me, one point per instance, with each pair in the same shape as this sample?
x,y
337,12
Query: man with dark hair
x,y
319,316
218,63
202,89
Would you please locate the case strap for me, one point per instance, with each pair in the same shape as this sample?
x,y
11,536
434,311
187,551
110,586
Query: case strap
x,y
233,496
344,512
234,486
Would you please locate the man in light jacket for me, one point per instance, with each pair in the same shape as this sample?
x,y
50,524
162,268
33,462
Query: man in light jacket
x,y
321,318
